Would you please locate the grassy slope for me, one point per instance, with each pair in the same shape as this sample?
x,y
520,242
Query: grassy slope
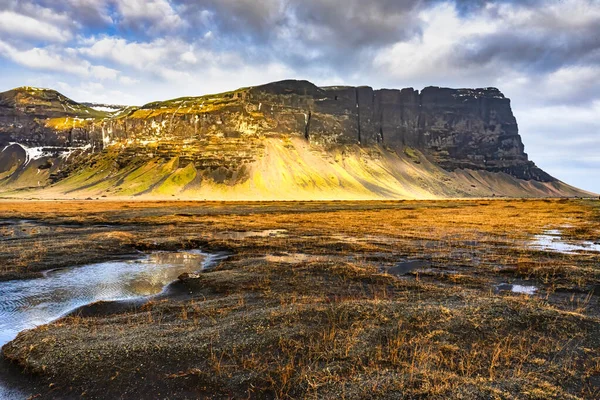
x,y
291,169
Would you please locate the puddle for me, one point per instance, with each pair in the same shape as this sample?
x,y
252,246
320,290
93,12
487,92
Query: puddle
x,y
25,304
552,240
233,235
406,267
297,258
514,288
12,229
435,272
364,239
15,229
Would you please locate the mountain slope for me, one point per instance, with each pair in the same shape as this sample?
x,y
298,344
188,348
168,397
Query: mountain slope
x,y
285,140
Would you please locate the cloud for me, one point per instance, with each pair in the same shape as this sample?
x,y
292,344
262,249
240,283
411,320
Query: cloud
x,y
50,59
95,92
570,123
87,13
126,80
244,20
188,57
429,57
66,16
139,55
572,84
151,15
538,39
355,24
163,59
564,140
21,26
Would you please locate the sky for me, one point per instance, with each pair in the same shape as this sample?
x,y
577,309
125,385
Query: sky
x,y
543,54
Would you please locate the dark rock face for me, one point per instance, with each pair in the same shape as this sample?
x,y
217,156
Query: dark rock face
x,y
458,128
25,112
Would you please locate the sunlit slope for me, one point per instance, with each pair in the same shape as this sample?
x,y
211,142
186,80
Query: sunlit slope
x,y
287,168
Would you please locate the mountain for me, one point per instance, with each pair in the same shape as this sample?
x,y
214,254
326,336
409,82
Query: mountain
x,y
283,140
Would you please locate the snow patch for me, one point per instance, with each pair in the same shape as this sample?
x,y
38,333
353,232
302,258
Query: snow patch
x,y
105,109
35,153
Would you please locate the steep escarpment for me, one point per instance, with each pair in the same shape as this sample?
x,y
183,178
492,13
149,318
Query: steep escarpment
x,y
283,140
460,128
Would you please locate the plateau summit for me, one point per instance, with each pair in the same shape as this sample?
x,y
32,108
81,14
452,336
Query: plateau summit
x,y
288,140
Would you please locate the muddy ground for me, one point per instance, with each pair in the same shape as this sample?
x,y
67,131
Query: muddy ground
x,y
438,299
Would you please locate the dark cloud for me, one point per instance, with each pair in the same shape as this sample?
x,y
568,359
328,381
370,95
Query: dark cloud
x,y
337,33
356,24
348,23
540,48
469,6
343,35
245,21
305,34
85,13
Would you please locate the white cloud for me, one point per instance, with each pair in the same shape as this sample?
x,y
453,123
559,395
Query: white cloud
x,y
50,59
133,54
126,80
159,13
569,83
169,60
95,92
101,72
561,15
17,25
189,57
428,57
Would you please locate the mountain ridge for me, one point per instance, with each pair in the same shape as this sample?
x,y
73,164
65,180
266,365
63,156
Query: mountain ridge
x,y
362,144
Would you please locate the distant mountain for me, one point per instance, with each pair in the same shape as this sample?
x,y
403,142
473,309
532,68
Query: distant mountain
x,y
284,140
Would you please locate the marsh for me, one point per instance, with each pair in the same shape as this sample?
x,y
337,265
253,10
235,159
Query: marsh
x,y
306,303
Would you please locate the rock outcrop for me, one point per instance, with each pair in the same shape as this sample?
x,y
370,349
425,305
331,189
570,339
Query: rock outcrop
x,y
43,117
222,136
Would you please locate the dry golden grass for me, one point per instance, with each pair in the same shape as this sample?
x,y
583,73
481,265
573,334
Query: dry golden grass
x,y
332,323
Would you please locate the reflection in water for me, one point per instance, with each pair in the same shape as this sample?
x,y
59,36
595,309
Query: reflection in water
x,y
522,289
552,241
406,267
234,235
296,258
26,304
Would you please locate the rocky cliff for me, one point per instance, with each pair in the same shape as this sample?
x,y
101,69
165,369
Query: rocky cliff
x,y
192,143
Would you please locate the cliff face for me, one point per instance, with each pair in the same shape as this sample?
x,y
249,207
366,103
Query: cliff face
x,y
222,136
31,116
460,128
